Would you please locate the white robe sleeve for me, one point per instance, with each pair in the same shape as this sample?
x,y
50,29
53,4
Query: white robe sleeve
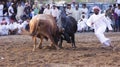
x,y
89,22
108,23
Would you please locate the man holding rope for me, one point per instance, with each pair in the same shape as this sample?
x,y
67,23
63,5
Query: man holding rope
x,y
100,22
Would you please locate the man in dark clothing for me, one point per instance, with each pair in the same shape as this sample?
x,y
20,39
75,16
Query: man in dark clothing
x,y
27,10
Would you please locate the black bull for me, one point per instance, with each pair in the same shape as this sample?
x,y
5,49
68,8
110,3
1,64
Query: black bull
x,y
69,24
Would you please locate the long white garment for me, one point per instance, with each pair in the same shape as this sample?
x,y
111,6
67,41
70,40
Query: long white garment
x,y
14,26
54,12
69,12
10,9
23,25
20,12
47,11
118,1
4,30
82,24
85,10
1,9
76,14
100,23
117,11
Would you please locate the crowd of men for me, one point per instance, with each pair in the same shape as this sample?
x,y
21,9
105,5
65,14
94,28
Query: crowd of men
x,y
18,12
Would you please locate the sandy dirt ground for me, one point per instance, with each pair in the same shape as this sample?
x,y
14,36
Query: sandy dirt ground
x,y
16,51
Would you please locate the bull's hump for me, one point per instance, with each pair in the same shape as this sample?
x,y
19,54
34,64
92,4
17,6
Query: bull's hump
x,y
41,16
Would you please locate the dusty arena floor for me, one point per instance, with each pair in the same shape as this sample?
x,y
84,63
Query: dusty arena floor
x,y
16,51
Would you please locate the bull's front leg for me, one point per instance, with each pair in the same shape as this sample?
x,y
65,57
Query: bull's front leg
x,y
35,42
40,44
60,42
53,42
73,41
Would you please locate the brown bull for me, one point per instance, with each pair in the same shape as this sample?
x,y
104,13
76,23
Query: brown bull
x,y
44,26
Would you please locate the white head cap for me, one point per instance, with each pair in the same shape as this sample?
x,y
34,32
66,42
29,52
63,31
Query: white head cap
x,y
12,3
96,7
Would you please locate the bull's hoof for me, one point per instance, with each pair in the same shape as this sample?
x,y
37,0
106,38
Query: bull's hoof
x,y
52,47
68,41
33,50
40,47
74,47
58,48
46,47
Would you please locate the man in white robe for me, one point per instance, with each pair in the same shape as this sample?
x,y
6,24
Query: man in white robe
x,y
76,13
69,10
84,10
82,24
20,11
1,9
22,27
47,10
99,22
4,30
54,12
13,28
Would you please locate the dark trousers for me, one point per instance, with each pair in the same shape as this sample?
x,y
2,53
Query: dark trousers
x,y
118,24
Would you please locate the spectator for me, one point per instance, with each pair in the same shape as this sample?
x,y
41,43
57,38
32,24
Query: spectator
x,y
4,29
109,12
36,10
73,5
36,5
24,25
9,3
82,27
13,28
110,15
42,8
118,1
27,9
47,10
1,8
11,13
114,7
114,19
5,9
69,10
76,13
20,11
85,10
54,12
3,21
117,11
15,6
32,13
